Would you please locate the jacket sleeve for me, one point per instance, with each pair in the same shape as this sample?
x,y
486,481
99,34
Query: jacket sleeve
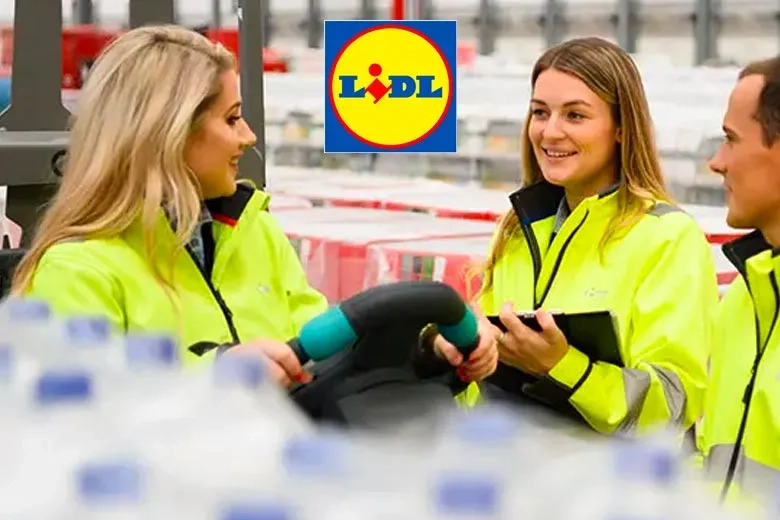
x,y
666,354
74,287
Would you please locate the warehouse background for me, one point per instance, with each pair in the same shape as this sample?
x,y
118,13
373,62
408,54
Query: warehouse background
x,y
739,30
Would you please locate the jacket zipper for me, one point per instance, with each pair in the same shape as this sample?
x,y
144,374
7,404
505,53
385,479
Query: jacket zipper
x,y
536,257
223,306
747,396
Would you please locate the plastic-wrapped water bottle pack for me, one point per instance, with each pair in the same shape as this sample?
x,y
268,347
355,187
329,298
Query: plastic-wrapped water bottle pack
x,y
101,427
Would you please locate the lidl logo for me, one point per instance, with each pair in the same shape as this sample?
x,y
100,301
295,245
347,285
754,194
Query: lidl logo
x,y
390,86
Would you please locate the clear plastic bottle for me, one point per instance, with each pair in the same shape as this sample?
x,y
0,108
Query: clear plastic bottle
x,y
483,440
29,329
41,443
209,434
646,482
322,468
88,342
151,388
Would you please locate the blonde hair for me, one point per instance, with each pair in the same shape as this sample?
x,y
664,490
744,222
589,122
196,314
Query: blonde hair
x,y
145,95
611,74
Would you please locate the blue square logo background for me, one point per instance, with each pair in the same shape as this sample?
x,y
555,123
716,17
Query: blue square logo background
x,y
444,33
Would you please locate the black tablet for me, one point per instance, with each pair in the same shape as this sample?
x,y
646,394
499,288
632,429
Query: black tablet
x,y
593,333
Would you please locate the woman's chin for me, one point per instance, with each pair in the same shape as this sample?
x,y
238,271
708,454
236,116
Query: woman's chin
x,y
557,176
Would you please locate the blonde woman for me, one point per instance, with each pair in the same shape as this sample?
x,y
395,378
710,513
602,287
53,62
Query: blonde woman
x,y
150,228
593,228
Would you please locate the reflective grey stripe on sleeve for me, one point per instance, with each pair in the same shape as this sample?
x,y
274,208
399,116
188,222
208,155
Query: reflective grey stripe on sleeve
x,y
636,384
750,475
674,393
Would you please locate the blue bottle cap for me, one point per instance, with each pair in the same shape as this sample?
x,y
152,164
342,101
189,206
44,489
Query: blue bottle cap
x,y
487,426
143,350
90,330
470,494
110,481
318,455
239,369
636,461
6,362
28,309
256,511
59,387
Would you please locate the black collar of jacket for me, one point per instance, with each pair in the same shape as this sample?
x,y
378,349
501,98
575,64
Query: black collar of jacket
x,y
541,200
740,250
229,209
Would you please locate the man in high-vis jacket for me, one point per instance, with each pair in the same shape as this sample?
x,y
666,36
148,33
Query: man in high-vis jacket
x,y
739,436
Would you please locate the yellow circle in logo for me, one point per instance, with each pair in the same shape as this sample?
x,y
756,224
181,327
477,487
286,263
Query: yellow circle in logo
x,y
390,86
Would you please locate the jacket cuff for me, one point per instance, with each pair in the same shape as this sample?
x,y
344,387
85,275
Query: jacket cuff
x,y
569,371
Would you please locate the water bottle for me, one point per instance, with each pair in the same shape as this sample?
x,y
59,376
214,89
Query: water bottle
x,y
150,387
221,430
29,329
484,439
41,443
627,479
126,489
40,341
321,467
87,342
241,383
646,477
234,386
149,353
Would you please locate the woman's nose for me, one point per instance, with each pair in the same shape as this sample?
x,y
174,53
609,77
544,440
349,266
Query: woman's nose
x,y
248,138
553,127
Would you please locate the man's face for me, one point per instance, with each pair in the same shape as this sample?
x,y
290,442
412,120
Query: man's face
x,y
750,168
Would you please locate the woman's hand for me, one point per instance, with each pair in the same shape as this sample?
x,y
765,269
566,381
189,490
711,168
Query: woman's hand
x,y
283,364
532,352
481,363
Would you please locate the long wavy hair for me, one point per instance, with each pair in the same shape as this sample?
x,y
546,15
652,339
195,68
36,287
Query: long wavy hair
x,y
612,75
148,91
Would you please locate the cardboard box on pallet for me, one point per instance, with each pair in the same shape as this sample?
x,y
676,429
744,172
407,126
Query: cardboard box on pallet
x,y
333,253
333,244
449,260
454,261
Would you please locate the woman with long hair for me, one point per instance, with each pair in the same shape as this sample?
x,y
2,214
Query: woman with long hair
x,y
150,227
593,228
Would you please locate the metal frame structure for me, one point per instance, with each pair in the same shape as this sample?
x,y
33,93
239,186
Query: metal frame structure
x,y
706,26
704,17
33,128
626,23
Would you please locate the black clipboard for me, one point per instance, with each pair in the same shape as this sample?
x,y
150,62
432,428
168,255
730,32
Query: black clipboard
x,y
593,333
